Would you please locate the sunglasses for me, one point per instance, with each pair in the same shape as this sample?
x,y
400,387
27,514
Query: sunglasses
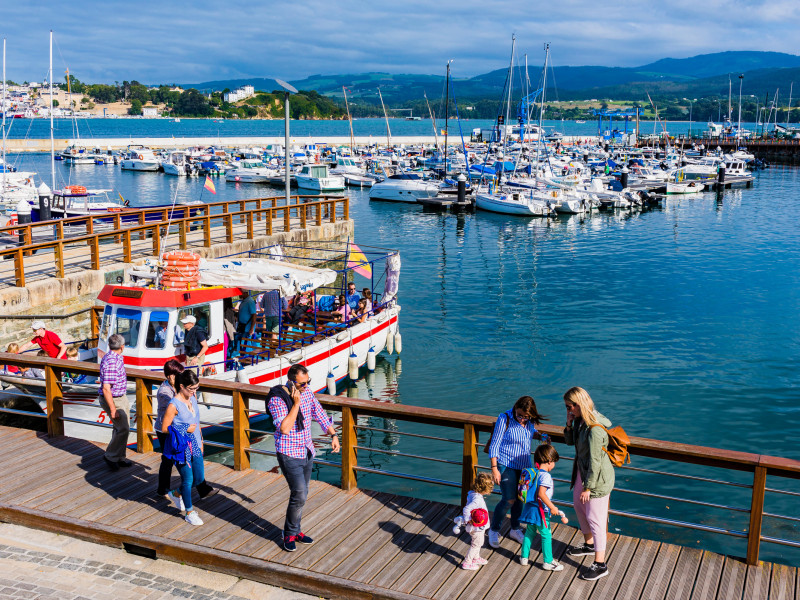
x,y
304,384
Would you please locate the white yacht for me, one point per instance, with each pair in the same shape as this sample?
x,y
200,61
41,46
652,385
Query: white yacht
x,y
250,171
177,163
78,155
317,177
140,158
511,201
404,187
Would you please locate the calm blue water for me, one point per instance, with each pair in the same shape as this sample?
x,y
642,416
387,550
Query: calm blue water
x,y
683,323
123,128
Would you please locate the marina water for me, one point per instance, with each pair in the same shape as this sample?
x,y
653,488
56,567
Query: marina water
x,y
683,323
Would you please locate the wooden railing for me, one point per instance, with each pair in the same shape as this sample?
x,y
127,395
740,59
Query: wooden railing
x,y
244,399
258,221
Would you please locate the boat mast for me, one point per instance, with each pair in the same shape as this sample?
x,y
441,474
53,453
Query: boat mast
x,y
385,116
5,166
446,114
541,106
510,86
789,109
433,119
52,142
350,119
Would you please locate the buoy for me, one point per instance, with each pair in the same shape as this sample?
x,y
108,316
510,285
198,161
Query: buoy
x,y
331,381
398,342
371,359
352,366
389,343
398,367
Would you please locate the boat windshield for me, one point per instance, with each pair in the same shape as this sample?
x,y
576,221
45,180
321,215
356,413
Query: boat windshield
x,y
127,323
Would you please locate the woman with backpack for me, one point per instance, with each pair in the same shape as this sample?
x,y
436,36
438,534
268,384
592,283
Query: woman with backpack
x,y
509,449
592,477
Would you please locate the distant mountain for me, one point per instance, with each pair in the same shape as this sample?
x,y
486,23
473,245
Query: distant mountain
x,y
701,75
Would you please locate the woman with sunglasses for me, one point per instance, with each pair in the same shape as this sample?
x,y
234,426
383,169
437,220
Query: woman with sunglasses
x,y
184,416
510,453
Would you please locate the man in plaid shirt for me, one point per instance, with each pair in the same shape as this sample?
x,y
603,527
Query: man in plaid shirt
x,y
114,400
292,416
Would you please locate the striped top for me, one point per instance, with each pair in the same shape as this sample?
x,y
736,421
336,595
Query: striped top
x,y
511,443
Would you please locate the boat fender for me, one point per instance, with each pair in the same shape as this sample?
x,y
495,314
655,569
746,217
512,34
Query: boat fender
x,y
398,342
389,342
295,360
352,366
331,383
371,359
342,336
382,317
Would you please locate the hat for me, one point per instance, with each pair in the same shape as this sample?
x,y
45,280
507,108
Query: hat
x,y
38,325
479,517
188,319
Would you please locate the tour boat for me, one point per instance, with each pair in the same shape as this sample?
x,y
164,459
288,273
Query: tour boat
x,y
331,351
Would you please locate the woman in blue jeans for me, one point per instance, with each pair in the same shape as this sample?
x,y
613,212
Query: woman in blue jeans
x,y
510,452
184,416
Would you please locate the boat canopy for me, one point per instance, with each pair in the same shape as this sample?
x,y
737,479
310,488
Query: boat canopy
x,y
264,275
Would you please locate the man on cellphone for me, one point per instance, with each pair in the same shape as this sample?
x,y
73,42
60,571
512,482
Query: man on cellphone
x,y
293,407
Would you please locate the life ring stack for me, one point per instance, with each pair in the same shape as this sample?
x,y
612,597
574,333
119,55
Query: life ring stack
x,y
180,270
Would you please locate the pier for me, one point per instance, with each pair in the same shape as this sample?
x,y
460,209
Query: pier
x,y
372,544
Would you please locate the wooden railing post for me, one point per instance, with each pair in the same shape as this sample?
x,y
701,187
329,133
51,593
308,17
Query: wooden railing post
x,y
141,222
333,211
182,234
19,268
469,461
249,220
241,433
207,231
228,220
303,216
756,514
287,216
156,240
346,208
59,252
349,455
270,216
55,397
144,422
319,214
126,247
94,252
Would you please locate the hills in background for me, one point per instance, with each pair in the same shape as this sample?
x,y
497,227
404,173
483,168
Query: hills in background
x,y
697,76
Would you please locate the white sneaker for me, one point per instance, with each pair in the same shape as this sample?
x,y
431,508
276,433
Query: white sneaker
x,y
553,566
517,535
193,518
494,538
177,501
523,561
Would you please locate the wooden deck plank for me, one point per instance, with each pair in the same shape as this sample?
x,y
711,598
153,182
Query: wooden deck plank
x,y
783,584
756,586
685,574
499,559
661,572
731,585
624,551
566,584
708,577
635,579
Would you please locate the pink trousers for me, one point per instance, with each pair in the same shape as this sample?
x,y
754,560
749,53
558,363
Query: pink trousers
x,y
475,545
592,516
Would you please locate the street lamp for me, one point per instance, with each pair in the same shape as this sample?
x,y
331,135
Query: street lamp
x,y
739,127
288,89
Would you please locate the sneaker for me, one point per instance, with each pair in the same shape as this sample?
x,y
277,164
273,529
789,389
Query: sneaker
x,y
470,566
494,538
177,501
523,561
517,535
553,566
289,543
302,538
584,550
481,561
193,518
594,572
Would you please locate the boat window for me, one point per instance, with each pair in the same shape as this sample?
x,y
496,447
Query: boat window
x,y
105,324
202,313
157,330
127,325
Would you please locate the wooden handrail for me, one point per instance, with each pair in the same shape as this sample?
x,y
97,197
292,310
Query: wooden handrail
x,y
243,396
127,234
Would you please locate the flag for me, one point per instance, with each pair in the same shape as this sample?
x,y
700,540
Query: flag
x,y
121,199
210,185
357,261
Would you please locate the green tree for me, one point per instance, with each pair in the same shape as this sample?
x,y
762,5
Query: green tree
x,y
136,108
55,102
193,104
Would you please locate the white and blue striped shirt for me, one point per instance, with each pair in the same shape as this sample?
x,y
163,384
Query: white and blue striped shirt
x,y
511,442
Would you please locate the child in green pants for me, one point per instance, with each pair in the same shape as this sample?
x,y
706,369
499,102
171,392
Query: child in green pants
x,y
536,492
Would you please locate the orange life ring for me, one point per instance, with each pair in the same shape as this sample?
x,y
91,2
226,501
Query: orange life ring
x,y
181,255
114,209
76,189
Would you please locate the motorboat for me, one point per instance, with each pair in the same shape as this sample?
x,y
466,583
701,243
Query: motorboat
x,y
177,163
404,187
512,201
317,177
78,155
140,158
687,187
250,171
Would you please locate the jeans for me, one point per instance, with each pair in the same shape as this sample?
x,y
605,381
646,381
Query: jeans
x,y
547,540
509,480
165,472
297,472
118,445
191,473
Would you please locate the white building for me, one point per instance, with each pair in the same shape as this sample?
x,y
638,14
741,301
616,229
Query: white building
x,y
149,111
240,94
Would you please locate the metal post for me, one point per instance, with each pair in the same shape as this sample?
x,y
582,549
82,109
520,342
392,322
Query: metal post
x,y
287,176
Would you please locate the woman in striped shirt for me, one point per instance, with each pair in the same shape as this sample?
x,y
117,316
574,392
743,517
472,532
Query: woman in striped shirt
x,y
510,452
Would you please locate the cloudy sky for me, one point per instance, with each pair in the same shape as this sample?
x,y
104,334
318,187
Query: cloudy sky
x,y
189,42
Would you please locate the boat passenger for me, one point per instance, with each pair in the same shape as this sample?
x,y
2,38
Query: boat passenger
x,y
273,306
182,417
31,373
12,348
160,336
246,323
352,295
361,313
46,340
367,295
72,354
344,309
195,341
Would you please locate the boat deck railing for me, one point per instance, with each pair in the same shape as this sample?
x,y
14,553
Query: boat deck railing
x,y
724,492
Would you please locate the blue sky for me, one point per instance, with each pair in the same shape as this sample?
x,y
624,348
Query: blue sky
x,y
164,42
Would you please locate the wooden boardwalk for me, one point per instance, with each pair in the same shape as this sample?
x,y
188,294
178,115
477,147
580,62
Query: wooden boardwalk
x,y
368,544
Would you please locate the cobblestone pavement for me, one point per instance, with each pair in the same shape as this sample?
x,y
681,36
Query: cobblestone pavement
x,y
36,565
